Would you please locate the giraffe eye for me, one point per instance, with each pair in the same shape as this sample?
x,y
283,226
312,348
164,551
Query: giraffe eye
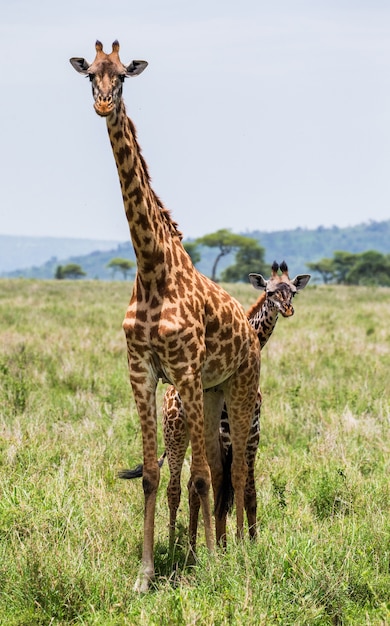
x,y
91,77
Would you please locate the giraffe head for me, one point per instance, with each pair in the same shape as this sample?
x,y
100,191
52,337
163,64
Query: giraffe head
x,y
279,289
107,74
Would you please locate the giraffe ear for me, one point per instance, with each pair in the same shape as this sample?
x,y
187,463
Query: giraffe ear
x,y
300,281
258,281
79,64
135,68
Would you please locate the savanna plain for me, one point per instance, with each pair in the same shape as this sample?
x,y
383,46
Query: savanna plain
x,y
71,531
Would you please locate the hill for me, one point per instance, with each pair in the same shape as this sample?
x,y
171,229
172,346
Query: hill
x,y
17,252
298,247
301,246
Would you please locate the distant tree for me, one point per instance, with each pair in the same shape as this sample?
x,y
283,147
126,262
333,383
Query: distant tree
x,y
123,265
72,270
370,268
226,242
59,273
343,263
249,258
325,268
364,268
192,248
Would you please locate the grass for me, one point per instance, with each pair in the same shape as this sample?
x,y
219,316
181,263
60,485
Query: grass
x,y
71,533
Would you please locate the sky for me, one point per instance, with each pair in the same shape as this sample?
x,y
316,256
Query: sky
x,y
252,115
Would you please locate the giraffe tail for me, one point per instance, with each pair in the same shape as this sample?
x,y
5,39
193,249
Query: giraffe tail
x,y
225,496
138,471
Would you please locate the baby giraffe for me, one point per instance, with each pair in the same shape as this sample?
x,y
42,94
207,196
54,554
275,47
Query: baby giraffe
x,y
276,298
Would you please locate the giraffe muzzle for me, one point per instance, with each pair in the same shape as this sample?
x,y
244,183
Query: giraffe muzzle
x,y
104,104
288,312
103,108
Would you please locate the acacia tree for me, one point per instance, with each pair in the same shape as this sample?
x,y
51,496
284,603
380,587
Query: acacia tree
x,y
249,258
363,268
122,265
59,273
370,268
72,270
226,242
343,263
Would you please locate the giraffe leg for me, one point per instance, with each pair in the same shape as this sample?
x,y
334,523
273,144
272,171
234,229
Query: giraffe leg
x,y
220,529
213,401
191,394
150,482
225,496
194,506
145,398
250,487
213,405
176,442
241,394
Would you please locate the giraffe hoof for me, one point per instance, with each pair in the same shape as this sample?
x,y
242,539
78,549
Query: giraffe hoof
x,y
143,582
141,585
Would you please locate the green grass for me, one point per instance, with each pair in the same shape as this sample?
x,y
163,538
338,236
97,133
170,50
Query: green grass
x,y
71,532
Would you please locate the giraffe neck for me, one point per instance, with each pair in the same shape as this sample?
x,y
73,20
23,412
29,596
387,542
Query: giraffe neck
x,y
263,316
153,232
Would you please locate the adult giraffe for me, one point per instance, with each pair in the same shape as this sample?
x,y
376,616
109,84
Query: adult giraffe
x,y
180,326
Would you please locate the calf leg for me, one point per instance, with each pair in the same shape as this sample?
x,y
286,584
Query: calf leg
x,y
176,440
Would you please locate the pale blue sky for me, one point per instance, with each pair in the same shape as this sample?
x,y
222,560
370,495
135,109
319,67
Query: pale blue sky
x,y
251,115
